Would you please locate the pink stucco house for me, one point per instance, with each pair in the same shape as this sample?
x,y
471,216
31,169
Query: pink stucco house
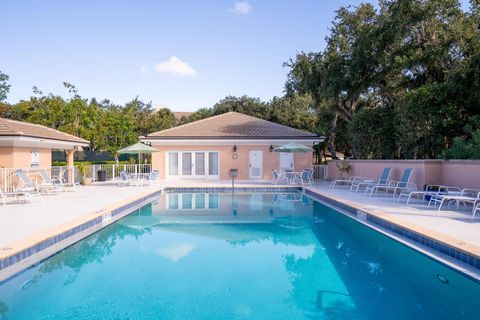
x,y
24,145
209,148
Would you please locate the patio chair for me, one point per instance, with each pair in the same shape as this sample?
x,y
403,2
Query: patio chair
x,y
4,195
383,181
124,179
475,209
50,184
306,177
429,192
466,196
349,181
28,187
277,177
403,185
152,177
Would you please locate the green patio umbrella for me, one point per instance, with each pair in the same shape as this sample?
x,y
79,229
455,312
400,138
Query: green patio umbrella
x,y
292,147
138,148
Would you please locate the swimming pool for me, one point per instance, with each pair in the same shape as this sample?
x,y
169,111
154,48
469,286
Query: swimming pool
x,y
248,256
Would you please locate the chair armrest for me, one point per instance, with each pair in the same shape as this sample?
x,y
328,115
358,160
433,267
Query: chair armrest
x,y
470,191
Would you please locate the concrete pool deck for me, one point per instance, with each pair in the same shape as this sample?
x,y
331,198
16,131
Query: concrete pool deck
x,y
24,225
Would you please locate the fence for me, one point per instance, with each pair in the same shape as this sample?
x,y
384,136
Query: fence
x,y
320,172
9,180
113,170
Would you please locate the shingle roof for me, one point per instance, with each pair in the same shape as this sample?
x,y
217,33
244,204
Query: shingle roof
x,y
17,128
231,125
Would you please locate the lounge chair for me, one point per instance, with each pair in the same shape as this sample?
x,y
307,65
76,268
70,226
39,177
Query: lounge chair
x,y
50,184
349,181
29,188
306,177
466,196
383,181
124,179
430,191
403,185
277,177
475,209
4,195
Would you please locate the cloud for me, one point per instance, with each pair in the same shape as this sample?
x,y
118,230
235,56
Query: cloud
x,y
144,69
176,67
242,8
175,253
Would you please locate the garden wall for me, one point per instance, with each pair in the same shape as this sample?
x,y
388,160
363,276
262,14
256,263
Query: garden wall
x,y
462,173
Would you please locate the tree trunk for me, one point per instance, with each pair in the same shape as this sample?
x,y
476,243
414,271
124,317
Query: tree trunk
x,y
333,136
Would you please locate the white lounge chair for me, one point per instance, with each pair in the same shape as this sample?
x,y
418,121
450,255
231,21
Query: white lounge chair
x,y
152,177
475,209
430,191
403,185
466,196
382,182
4,195
29,188
348,182
49,184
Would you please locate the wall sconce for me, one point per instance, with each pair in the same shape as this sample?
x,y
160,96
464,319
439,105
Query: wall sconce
x,y
234,148
271,148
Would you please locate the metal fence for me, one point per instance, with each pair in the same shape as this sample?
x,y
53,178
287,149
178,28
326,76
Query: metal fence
x,y
112,171
320,172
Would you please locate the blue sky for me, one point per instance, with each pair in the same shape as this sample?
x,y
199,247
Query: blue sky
x,y
181,54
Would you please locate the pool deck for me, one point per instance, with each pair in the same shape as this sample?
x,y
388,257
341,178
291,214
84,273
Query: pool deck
x,y
22,225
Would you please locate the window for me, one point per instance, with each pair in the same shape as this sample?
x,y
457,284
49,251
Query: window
x,y
213,199
173,163
213,163
173,201
186,163
187,201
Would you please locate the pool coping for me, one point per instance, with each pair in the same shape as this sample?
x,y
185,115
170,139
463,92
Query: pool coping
x,y
459,255
26,252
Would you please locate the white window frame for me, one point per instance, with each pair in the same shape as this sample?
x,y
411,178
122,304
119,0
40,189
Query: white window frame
x,y
192,176
194,201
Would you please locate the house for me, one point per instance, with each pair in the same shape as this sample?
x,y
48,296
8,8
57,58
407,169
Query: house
x,y
210,147
24,145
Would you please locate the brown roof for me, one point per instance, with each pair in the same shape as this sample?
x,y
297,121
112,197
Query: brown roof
x,y
17,128
232,125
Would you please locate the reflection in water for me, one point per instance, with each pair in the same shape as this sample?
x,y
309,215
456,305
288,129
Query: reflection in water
x,y
268,256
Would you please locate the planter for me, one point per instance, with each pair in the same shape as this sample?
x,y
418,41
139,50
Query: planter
x,y
86,181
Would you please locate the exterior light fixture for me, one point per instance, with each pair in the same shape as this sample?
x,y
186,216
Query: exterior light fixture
x,y
234,148
271,148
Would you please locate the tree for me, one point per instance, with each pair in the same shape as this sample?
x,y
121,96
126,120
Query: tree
x,y
4,86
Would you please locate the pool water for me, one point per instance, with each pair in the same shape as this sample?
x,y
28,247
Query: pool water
x,y
248,256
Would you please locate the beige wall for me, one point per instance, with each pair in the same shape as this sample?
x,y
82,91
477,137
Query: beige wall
x,y
462,173
270,159
20,157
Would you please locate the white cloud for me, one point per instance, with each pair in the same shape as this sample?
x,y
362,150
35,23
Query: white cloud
x,y
144,69
242,7
176,67
177,252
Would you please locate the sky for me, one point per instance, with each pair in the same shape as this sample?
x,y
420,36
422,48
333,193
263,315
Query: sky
x,y
179,54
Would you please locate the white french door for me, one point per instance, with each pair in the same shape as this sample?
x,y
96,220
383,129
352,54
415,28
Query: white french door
x,y
255,167
192,164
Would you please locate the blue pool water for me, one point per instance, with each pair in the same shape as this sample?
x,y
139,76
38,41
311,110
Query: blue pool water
x,y
252,256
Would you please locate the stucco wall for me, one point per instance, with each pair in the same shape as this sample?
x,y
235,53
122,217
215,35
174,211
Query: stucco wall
x,y
20,157
270,159
462,173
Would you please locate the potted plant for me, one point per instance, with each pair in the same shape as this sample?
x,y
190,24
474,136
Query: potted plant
x,y
83,169
344,167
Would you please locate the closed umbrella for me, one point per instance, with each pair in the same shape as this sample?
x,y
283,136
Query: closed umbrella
x,y
138,148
